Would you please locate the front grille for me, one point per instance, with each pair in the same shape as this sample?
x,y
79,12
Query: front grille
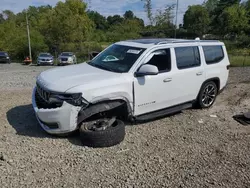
x,y
64,59
43,93
42,99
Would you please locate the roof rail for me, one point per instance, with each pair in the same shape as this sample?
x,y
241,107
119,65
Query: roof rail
x,y
185,41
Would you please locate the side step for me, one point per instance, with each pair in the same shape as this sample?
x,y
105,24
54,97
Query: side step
x,y
164,112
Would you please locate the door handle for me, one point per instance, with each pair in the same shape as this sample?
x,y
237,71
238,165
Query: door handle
x,y
167,80
199,73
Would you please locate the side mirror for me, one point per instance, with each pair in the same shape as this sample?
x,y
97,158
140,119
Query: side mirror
x,y
147,70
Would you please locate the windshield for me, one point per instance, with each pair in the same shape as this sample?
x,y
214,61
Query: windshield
x,y
117,58
3,54
45,55
67,54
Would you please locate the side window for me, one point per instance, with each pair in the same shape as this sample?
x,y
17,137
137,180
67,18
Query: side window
x,y
162,60
213,54
187,57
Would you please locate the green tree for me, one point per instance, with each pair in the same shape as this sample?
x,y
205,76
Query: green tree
x,y
248,5
34,14
1,18
67,25
163,22
233,20
14,40
128,29
164,17
99,20
223,4
113,20
211,5
196,20
8,15
129,15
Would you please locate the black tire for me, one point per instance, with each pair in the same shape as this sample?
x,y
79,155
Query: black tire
x,y
103,138
205,92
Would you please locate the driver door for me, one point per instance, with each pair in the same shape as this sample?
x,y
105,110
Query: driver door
x,y
155,92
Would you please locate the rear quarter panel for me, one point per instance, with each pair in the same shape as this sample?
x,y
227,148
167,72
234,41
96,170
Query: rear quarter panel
x,y
218,70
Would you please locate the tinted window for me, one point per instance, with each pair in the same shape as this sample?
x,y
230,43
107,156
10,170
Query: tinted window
x,y
213,54
162,61
187,57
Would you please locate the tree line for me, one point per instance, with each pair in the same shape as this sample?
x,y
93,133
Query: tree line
x,y
70,26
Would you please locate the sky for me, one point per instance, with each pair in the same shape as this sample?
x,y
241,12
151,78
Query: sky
x,y
106,7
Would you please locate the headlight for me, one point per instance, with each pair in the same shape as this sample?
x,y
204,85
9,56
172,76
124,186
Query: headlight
x,y
7,57
74,99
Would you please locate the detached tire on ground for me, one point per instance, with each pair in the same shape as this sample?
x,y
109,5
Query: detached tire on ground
x,y
100,138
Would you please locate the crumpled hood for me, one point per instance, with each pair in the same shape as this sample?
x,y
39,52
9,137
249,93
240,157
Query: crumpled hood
x,y
62,79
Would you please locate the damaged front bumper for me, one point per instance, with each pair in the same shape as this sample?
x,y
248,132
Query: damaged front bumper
x,y
59,120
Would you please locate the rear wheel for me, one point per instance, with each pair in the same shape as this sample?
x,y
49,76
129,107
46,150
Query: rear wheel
x,y
207,95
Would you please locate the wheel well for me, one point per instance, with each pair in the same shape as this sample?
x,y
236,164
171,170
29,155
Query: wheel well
x,y
119,108
216,81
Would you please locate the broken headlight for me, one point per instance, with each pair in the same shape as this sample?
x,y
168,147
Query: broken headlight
x,y
74,99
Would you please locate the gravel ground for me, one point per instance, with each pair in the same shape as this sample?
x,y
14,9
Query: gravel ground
x,y
189,149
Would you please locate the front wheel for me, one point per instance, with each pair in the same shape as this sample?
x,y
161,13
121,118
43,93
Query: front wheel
x,y
102,133
207,95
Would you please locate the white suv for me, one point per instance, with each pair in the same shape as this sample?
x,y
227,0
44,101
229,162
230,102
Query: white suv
x,y
137,79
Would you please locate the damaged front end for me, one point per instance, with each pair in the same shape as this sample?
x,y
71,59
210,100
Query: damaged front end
x,y
103,109
57,113
61,113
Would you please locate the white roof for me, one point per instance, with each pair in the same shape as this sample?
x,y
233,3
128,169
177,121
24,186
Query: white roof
x,y
147,43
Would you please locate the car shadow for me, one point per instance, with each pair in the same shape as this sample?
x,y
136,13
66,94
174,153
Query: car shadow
x,y
23,120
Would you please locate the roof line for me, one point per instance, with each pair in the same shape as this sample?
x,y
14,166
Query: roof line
x,y
185,41
158,41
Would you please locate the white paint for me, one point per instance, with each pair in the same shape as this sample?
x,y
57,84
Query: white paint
x,y
151,93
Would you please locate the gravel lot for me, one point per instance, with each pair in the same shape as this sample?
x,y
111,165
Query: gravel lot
x,y
189,149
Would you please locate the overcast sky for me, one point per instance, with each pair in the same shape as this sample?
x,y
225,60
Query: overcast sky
x,y
105,7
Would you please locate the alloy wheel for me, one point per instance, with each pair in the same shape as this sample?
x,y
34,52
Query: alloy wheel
x,y
209,95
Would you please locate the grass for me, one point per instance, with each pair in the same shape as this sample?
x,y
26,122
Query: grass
x,y
239,60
